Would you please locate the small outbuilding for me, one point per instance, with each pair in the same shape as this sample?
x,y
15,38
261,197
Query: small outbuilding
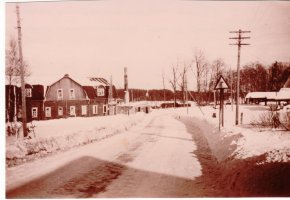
x,y
283,95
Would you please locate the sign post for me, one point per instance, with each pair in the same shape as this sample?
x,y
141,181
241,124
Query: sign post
x,y
221,85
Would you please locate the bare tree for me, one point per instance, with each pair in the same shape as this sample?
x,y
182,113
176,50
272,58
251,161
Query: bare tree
x,y
12,70
182,82
12,73
200,67
11,63
163,82
218,68
174,80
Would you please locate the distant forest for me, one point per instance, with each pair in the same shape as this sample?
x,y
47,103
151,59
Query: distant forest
x,y
253,77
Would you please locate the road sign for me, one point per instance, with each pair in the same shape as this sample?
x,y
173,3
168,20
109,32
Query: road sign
x,y
221,84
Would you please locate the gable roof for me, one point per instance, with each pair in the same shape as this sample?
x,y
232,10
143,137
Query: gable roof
x,y
93,81
261,95
65,76
283,94
99,80
287,83
90,92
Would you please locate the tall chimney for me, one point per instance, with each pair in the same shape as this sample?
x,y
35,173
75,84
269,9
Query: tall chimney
x,y
126,97
125,79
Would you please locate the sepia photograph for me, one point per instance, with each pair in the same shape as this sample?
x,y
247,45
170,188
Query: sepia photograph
x,y
145,99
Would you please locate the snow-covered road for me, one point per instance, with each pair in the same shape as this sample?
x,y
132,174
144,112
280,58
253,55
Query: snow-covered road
x,y
153,159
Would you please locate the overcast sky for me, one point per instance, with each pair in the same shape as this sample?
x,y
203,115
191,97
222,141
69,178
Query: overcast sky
x,y
100,38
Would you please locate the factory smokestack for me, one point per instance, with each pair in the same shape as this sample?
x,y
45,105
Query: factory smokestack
x,y
125,79
126,97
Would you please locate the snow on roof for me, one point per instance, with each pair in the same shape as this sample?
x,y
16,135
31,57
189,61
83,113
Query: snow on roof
x,y
283,94
257,95
92,81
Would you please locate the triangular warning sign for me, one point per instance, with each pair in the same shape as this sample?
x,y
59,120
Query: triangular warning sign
x,y
221,84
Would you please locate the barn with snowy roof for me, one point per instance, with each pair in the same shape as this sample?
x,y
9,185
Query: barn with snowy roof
x,y
284,92
283,95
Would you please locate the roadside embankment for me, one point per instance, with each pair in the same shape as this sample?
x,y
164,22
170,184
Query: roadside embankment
x,y
231,175
55,136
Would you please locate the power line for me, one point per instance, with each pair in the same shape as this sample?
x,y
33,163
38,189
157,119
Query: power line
x,y
239,43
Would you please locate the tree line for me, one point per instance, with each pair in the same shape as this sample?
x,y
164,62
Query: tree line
x,y
254,76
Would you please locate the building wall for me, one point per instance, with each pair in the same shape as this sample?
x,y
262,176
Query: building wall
x,y
13,99
39,105
100,103
66,104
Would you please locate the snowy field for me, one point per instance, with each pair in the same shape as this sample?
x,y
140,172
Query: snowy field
x,y
61,134
254,141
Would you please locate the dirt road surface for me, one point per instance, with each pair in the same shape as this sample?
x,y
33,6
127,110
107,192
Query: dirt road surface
x,y
157,159
168,156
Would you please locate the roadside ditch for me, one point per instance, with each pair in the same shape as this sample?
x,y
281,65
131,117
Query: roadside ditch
x,y
225,176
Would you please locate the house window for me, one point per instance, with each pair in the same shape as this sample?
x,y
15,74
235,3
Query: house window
x,y
60,111
71,93
28,92
72,110
47,111
84,110
104,109
59,94
101,91
95,109
34,112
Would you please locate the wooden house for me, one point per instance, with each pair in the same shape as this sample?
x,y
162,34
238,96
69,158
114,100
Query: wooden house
x,y
34,102
69,98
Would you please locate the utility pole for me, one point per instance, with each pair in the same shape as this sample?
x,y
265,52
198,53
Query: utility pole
x,y
239,44
231,87
23,95
127,95
186,93
110,99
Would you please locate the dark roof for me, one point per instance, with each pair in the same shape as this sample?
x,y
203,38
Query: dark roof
x,y
100,80
90,92
37,92
27,85
287,84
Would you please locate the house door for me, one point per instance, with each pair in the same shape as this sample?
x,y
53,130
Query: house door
x,y
72,110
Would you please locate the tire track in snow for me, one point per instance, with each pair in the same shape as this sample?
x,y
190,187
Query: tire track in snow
x,y
98,179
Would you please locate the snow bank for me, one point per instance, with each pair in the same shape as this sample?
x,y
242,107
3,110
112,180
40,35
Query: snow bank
x,y
274,143
249,141
62,134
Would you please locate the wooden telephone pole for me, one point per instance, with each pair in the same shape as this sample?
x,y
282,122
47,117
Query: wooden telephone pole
x,y
239,44
23,95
